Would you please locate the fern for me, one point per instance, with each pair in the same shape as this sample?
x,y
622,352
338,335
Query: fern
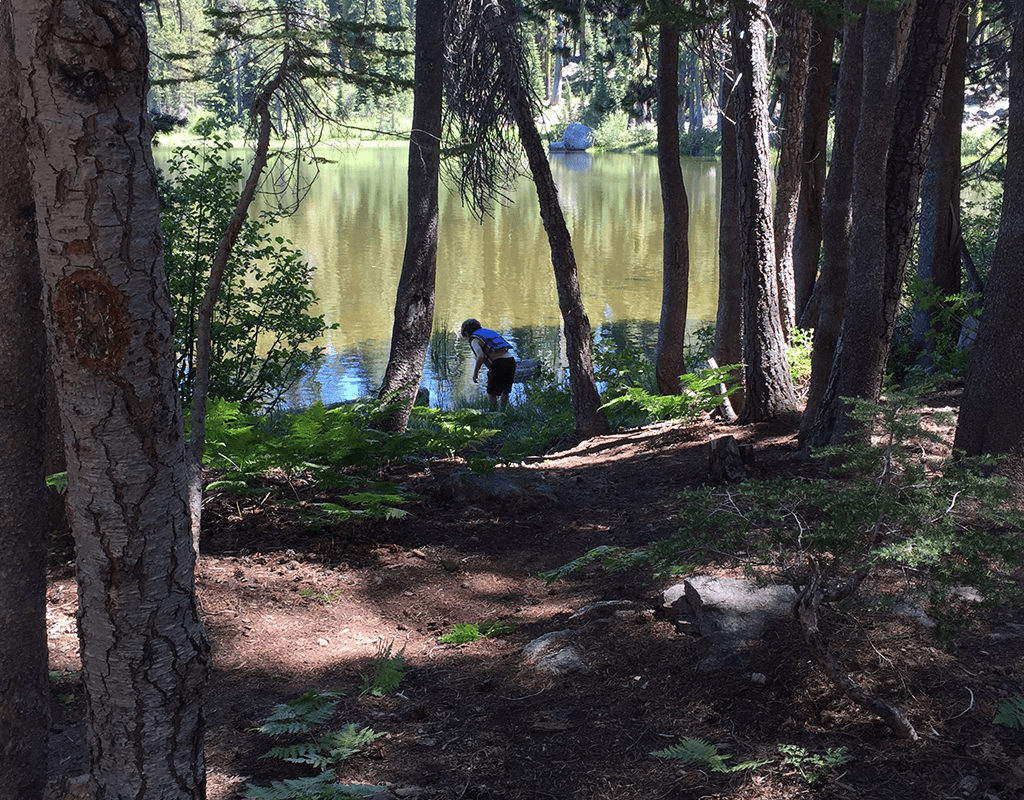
x,y
345,743
387,672
465,632
304,753
318,787
602,553
1011,712
299,715
697,751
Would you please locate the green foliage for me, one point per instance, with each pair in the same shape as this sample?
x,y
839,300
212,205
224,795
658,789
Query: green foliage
x,y
328,749
813,767
697,751
1011,712
387,672
464,633
262,324
299,715
798,354
609,556
316,787
338,449
700,395
942,524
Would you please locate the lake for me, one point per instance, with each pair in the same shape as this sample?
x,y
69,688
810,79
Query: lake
x,y
351,226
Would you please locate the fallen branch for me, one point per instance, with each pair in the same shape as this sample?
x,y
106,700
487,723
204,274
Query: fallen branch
x,y
806,609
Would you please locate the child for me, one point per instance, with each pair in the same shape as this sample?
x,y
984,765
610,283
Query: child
x,y
501,366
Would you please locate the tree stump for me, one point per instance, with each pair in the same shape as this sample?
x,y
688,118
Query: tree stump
x,y
729,461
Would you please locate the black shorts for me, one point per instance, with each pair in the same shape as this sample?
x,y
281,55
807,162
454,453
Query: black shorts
x,y
501,374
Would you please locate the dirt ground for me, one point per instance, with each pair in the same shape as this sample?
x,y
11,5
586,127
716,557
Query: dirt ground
x,y
289,609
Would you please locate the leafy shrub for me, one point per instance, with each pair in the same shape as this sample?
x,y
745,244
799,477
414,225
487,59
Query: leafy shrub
x,y
262,323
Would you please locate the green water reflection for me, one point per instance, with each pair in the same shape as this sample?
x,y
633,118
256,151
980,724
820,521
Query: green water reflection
x,y
351,226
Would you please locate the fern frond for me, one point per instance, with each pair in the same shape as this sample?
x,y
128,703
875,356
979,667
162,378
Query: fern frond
x,y
298,715
304,753
697,751
601,553
348,741
1011,712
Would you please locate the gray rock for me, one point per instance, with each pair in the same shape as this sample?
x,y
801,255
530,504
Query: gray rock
x,y
730,615
578,137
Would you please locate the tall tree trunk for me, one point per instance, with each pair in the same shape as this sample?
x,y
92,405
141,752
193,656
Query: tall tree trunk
x,y
502,22
414,305
728,347
807,232
24,516
586,400
836,222
790,167
938,264
854,372
769,388
873,296
670,361
990,413
108,315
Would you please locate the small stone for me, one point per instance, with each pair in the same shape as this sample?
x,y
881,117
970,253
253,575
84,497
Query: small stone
x,y
322,642
758,678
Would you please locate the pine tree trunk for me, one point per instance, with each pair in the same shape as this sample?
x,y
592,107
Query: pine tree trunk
x,y
790,171
728,347
108,315
769,388
586,401
990,413
808,229
670,361
830,290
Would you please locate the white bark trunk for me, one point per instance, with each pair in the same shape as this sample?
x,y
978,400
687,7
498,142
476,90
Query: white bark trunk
x,y
144,652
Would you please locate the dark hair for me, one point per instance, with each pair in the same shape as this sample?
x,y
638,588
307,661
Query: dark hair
x,y
469,326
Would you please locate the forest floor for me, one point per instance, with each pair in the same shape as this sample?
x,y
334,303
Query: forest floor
x,y
291,609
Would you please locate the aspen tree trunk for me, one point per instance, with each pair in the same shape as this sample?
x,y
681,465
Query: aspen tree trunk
x,y
83,66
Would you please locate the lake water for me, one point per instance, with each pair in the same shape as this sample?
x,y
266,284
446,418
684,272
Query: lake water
x,y
351,227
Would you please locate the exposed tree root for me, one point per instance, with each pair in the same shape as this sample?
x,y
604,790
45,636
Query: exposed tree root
x,y
806,610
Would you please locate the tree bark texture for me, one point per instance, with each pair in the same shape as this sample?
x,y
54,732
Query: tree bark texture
x,y
144,653
769,389
24,503
860,345
919,100
670,361
790,167
728,347
938,265
990,420
873,296
807,231
836,217
414,304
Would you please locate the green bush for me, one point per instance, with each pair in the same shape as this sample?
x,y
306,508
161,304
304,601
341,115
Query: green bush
x,y
262,325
